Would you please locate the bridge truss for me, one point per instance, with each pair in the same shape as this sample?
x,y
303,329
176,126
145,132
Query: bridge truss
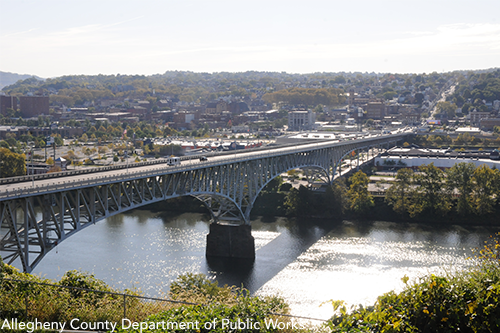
x,y
32,223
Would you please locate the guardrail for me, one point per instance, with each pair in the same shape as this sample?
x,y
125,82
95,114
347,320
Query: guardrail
x,y
130,174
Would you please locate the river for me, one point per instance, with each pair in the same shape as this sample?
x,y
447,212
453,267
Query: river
x,y
307,262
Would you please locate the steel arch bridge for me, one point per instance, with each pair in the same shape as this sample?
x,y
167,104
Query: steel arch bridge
x,y
33,220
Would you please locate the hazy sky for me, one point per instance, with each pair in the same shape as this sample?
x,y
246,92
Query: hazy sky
x,y
61,37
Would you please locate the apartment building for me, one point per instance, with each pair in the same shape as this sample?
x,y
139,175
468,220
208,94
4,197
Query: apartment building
x,y
301,120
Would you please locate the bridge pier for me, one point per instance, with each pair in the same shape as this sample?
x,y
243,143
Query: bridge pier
x,y
230,241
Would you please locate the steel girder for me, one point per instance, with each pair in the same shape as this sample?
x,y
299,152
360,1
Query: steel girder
x,y
34,223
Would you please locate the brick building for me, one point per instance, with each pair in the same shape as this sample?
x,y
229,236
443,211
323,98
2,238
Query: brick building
x,y
7,102
375,110
34,106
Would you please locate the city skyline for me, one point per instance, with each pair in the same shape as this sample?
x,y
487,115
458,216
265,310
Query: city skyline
x,y
53,38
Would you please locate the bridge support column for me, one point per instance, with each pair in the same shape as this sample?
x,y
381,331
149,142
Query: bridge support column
x,y
230,241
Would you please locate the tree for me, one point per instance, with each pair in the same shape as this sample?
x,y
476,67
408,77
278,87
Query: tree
x,y
274,184
11,164
359,199
58,140
460,177
337,197
433,196
84,137
446,108
71,156
419,98
400,194
54,168
292,201
297,202
486,184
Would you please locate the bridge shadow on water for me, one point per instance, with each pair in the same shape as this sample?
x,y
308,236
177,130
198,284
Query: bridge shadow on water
x,y
294,240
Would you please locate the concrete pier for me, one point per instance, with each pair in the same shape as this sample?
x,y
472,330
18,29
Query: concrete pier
x,y
230,241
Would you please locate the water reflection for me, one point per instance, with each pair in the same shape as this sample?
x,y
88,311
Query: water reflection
x,y
306,261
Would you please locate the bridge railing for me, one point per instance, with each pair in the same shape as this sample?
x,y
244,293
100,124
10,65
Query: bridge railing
x,y
122,165
67,173
63,184
137,174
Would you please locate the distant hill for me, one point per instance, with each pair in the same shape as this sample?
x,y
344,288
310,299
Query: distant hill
x,y
7,78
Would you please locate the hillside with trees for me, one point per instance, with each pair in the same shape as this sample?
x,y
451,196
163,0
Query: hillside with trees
x,y
476,90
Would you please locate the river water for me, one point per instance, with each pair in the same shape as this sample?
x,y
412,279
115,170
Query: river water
x,y
307,262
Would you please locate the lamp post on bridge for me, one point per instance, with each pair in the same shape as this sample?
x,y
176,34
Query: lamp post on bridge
x,y
32,169
126,158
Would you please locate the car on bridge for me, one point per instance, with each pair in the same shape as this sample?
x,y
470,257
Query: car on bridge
x,y
203,158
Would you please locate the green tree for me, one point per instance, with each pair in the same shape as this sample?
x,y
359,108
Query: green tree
x,y
359,199
446,108
297,202
274,184
400,194
11,164
337,197
292,202
460,177
486,185
432,196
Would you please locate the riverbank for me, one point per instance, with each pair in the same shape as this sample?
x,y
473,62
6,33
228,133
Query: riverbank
x,y
270,205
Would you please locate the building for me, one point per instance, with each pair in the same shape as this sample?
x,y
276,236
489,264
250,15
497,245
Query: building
x,y
301,120
477,116
489,123
7,102
34,106
496,105
217,108
375,110
184,120
398,157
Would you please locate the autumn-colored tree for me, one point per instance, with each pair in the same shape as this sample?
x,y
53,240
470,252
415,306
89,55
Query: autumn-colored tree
x,y
11,164
54,168
305,96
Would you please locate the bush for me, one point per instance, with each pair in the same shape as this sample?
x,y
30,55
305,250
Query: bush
x,y
219,303
468,301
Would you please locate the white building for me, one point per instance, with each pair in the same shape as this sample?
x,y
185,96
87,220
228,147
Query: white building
x,y
301,120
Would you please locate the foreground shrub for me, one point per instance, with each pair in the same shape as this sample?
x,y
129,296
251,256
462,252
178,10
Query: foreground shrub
x,y
224,309
25,296
464,302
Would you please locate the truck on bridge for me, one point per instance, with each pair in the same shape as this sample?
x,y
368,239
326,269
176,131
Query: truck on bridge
x,y
173,161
